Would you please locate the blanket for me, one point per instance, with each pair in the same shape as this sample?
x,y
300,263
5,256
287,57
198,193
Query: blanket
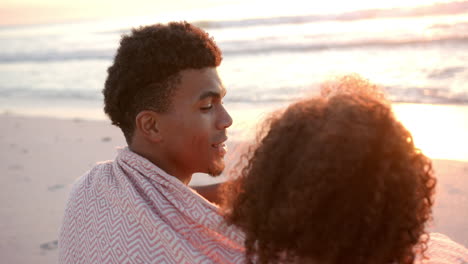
x,y
442,250
130,211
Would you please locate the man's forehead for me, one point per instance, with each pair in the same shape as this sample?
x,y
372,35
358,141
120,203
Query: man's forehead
x,y
203,82
218,92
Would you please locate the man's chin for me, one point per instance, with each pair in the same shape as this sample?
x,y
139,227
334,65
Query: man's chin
x,y
216,169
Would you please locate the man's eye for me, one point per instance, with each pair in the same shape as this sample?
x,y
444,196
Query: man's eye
x,y
208,107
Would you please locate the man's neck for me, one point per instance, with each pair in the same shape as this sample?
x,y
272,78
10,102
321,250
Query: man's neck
x,y
185,178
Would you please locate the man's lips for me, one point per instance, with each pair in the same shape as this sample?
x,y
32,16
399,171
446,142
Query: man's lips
x,y
220,142
220,147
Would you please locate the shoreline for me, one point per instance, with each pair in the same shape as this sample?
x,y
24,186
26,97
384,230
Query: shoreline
x,y
41,157
439,130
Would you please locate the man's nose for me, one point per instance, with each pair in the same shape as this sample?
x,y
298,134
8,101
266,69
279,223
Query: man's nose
x,y
224,120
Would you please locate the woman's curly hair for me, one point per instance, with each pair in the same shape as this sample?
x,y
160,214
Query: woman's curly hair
x,y
334,179
146,68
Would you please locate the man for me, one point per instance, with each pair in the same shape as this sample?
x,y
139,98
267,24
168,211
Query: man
x,y
165,94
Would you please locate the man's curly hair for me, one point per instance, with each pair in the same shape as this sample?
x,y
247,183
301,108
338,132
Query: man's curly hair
x,y
334,179
146,69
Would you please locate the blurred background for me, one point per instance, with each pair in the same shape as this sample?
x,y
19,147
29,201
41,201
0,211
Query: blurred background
x,y
54,56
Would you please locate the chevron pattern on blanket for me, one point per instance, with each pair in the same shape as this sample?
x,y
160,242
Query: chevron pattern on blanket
x,y
130,211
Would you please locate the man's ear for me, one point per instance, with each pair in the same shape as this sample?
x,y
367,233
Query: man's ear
x,y
146,123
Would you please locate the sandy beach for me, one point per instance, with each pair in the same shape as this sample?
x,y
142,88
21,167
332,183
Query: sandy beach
x,y
54,64
41,157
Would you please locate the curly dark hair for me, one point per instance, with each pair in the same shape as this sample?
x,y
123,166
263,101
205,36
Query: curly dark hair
x,y
334,179
147,66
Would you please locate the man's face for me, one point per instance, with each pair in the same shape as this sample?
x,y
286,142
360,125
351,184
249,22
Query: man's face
x,y
194,129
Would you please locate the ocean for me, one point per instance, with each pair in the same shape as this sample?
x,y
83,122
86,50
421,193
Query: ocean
x,y
418,55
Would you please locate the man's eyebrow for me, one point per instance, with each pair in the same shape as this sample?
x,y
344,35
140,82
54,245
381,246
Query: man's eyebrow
x,y
212,94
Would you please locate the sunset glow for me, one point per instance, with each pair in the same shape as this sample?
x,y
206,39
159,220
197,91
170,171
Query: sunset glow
x,y
274,51
30,11
440,131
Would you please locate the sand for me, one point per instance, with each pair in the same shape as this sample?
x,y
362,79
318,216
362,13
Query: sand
x,y
41,157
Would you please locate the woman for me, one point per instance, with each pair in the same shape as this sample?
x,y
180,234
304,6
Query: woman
x,y
336,179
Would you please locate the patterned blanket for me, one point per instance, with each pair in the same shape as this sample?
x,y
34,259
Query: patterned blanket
x,y
130,211
442,250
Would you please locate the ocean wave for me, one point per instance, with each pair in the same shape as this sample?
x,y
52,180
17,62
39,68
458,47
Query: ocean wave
x,y
50,94
458,27
427,95
438,9
50,56
445,73
244,47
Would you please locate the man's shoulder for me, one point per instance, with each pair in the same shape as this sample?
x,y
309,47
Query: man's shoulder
x,y
100,171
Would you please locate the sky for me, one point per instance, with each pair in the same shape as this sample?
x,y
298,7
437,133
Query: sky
x,y
18,12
